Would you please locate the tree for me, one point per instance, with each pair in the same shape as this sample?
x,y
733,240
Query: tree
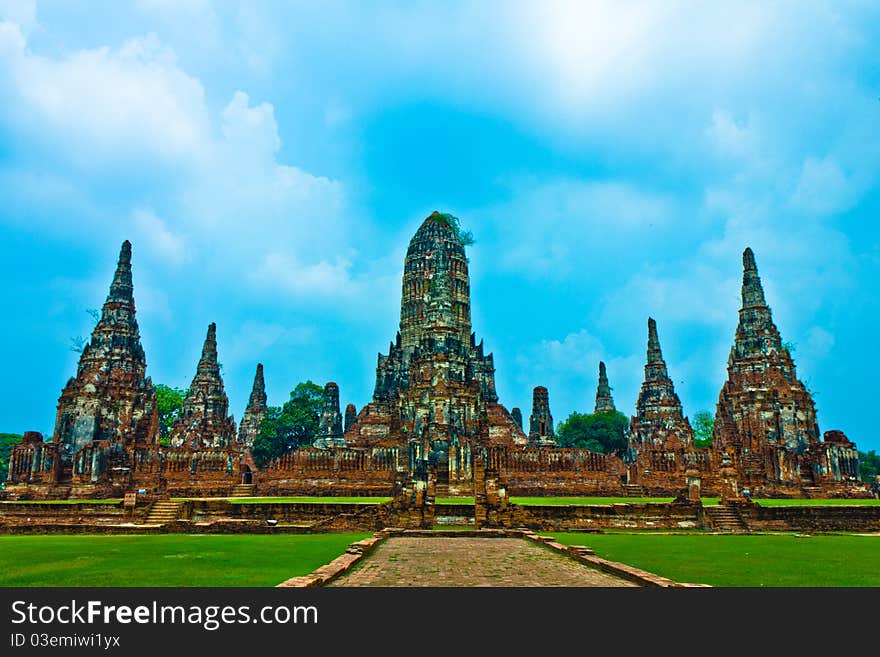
x,y
703,425
7,440
169,401
295,424
598,432
869,465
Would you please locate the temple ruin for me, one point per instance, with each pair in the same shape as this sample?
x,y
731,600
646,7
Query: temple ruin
x,y
435,424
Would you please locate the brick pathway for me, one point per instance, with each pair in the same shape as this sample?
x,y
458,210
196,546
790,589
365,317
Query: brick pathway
x,y
441,561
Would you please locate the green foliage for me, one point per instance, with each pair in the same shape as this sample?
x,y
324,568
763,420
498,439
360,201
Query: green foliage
x,y
170,401
290,426
869,466
599,432
7,440
466,236
703,424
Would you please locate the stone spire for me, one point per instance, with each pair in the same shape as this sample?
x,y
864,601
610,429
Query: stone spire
x,y
208,366
541,422
659,421
655,367
756,334
255,410
437,383
762,403
516,414
604,401
111,397
330,424
436,288
350,416
752,290
204,420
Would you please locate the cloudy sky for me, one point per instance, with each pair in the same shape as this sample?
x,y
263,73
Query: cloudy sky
x,y
270,161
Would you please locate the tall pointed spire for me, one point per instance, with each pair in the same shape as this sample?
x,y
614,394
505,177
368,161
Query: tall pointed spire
x,y
258,390
121,289
111,397
604,401
208,362
655,367
255,410
762,403
203,419
659,420
117,325
752,290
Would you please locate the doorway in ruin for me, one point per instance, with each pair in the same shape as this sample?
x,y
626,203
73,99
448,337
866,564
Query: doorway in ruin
x,y
247,476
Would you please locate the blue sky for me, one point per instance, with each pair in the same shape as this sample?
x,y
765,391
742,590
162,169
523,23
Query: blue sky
x,y
270,161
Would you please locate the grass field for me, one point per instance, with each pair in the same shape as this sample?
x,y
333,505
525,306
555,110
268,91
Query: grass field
x,y
309,500
165,560
708,501
743,560
117,500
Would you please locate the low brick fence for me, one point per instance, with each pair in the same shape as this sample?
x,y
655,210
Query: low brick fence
x,y
223,516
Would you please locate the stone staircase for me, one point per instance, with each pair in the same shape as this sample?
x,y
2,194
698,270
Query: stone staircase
x,y
726,519
633,490
164,511
814,492
243,490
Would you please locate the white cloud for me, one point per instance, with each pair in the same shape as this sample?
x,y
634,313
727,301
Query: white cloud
x,y
823,188
250,129
560,220
568,368
323,278
134,106
730,137
108,103
19,12
154,232
253,339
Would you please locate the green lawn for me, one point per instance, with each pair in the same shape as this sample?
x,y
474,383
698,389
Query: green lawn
x,y
561,501
109,500
743,560
308,500
165,560
584,501
707,501
834,502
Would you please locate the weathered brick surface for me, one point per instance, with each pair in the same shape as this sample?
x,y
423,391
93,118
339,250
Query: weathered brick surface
x,y
471,561
766,417
434,405
204,419
255,410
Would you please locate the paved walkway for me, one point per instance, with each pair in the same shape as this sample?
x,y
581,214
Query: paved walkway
x,y
442,561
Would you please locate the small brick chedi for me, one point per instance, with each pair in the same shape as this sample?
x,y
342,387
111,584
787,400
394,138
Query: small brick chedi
x,y
255,411
434,418
204,419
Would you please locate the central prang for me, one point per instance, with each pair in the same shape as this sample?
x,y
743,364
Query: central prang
x,y
435,390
